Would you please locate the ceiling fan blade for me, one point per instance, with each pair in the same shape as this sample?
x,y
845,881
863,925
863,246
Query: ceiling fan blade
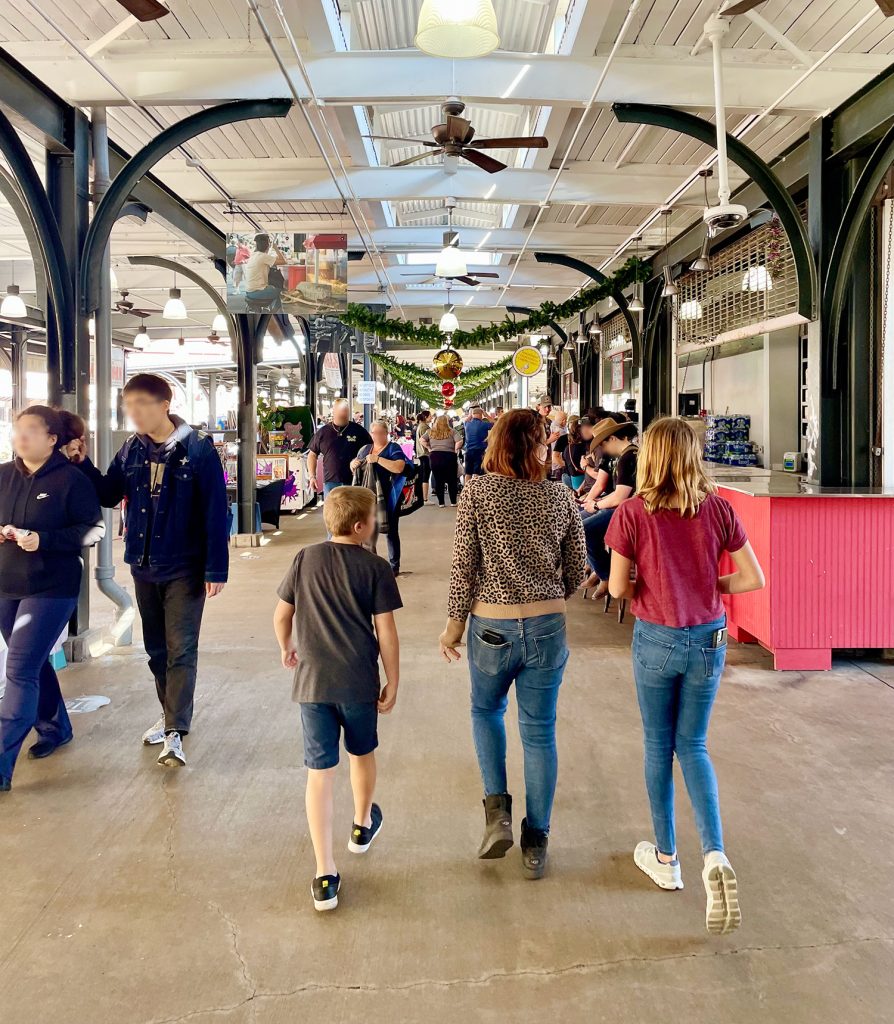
x,y
403,138
466,280
416,158
886,7
522,142
457,128
415,275
144,10
484,274
482,160
742,7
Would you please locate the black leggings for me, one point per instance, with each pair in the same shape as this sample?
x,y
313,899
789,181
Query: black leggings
x,y
444,467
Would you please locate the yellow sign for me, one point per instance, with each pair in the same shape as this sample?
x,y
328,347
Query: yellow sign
x,y
527,361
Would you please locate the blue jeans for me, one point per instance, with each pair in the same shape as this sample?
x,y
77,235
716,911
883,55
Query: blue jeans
x,y
329,487
269,296
533,655
677,673
595,527
30,626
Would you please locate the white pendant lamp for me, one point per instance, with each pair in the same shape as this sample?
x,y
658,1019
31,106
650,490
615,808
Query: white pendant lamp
x,y
451,263
174,307
636,303
141,339
459,29
13,304
219,324
448,323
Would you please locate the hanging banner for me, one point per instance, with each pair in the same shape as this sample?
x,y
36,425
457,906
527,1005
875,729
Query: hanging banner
x,y
332,371
527,361
618,372
366,392
287,272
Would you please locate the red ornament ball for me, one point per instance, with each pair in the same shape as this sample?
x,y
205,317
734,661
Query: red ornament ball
x,y
448,390
448,403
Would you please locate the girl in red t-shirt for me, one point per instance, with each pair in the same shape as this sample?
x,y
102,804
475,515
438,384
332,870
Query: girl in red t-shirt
x,y
675,531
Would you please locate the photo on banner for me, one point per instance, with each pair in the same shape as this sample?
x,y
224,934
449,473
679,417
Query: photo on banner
x,y
286,272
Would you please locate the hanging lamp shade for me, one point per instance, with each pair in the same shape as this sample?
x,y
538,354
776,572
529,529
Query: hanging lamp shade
x,y
451,263
13,304
459,29
219,324
174,307
448,323
141,340
636,303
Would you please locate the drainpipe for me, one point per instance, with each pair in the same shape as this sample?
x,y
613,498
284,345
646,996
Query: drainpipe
x,y
104,571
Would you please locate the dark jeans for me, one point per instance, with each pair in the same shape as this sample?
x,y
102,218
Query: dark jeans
x,y
595,528
677,673
393,538
444,468
270,296
172,617
473,461
30,626
532,655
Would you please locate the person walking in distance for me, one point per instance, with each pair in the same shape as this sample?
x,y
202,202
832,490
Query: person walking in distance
x,y
478,427
675,531
176,544
443,443
338,443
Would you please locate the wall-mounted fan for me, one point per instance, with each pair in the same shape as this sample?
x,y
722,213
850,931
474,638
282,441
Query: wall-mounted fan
x,y
455,138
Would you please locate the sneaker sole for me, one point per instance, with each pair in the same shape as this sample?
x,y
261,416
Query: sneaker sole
x,y
171,762
660,882
498,848
152,742
357,848
323,905
723,914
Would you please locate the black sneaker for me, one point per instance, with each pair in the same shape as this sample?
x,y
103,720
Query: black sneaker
x,y
362,837
535,852
325,892
43,748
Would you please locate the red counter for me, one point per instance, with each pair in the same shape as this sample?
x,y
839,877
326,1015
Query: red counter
x,y
829,561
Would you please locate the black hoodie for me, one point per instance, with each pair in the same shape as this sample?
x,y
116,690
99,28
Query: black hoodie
x,y
59,504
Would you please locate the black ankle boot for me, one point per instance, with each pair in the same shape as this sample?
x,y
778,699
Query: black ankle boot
x,y
535,852
498,826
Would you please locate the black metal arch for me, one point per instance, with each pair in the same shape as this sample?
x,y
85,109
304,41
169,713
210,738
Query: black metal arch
x,y
840,266
596,275
110,206
59,281
758,170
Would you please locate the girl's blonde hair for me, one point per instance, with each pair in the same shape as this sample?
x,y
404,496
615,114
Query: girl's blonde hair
x,y
670,472
441,429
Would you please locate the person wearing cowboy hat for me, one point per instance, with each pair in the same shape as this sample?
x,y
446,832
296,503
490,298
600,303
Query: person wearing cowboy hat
x,y
618,441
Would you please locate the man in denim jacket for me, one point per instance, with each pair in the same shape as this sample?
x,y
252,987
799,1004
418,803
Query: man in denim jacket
x,y
176,542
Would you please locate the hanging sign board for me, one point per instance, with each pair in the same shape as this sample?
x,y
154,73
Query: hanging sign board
x,y
618,372
527,361
332,371
366,392
286,272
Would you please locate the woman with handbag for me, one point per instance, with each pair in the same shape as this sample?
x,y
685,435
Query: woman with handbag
x,y
443,443
380,467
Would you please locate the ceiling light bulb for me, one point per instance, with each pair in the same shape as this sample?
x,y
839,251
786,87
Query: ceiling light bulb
x,y
174,307
757,279
544,349
141,339
13,305
283,382
690,310
219,324
459,29
451,263
448,323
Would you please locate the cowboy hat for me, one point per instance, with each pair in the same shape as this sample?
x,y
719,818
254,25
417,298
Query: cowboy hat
x,y
605,428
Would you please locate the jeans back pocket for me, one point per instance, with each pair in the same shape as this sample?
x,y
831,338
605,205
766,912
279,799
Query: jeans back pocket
x,y
552,650
715,659
651,653
491,659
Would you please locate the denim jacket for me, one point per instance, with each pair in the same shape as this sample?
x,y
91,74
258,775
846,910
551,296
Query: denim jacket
x,y
190,524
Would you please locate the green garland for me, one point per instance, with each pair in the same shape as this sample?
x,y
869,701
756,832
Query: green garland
x,y
424,335
426,384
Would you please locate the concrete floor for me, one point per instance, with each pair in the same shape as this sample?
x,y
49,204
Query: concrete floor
x,y
130,893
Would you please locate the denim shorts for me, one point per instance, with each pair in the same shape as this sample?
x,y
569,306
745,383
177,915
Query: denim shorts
x,y
322,725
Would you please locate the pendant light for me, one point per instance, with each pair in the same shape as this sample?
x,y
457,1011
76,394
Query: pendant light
x,y
448,323
670,289
141,339
703,260
451,263
13,304
174,307
636,303
219,324
283,381
460,29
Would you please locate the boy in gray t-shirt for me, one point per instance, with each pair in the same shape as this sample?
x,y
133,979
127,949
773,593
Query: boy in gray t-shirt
x,y
346,597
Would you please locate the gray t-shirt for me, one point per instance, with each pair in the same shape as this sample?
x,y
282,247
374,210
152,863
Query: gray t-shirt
x,y
336,590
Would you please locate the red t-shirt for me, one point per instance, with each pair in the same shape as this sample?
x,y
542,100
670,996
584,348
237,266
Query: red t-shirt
x,y
676,559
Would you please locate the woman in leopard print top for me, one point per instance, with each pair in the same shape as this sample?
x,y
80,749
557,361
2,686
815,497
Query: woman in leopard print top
x,y
518,554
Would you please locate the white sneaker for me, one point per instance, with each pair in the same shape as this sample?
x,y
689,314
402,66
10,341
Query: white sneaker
x,y
723,914
156,734
172,753
666,876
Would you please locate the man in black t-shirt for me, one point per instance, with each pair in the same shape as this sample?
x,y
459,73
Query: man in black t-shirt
x,y
338,442
618,441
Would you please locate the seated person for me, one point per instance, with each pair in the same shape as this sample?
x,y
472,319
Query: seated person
x,y
618,441
256,272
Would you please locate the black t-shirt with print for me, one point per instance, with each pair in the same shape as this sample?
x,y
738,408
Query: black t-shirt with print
x,y
338,447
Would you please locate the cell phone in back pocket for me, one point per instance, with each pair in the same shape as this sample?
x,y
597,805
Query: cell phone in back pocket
x,y
718,638
490,637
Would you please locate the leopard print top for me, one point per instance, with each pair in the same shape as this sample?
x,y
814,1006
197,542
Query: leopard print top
x,y
516,542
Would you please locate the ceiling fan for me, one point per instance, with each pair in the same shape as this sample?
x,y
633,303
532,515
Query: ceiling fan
x,y
455,138
144,10
126,307
451,263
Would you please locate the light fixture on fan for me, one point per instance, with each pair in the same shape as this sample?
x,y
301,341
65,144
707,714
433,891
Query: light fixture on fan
x,y
174,307
448,323
451,263
459,29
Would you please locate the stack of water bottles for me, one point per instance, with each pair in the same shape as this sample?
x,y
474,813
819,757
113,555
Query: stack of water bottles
x,y
727,440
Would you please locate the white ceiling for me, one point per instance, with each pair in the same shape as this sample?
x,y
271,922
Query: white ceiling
x,y
368,78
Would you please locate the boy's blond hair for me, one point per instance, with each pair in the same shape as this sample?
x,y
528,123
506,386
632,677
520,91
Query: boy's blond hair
x,y
346,506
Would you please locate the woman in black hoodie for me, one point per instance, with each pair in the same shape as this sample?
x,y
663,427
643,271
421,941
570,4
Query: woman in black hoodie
x,y
48,512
